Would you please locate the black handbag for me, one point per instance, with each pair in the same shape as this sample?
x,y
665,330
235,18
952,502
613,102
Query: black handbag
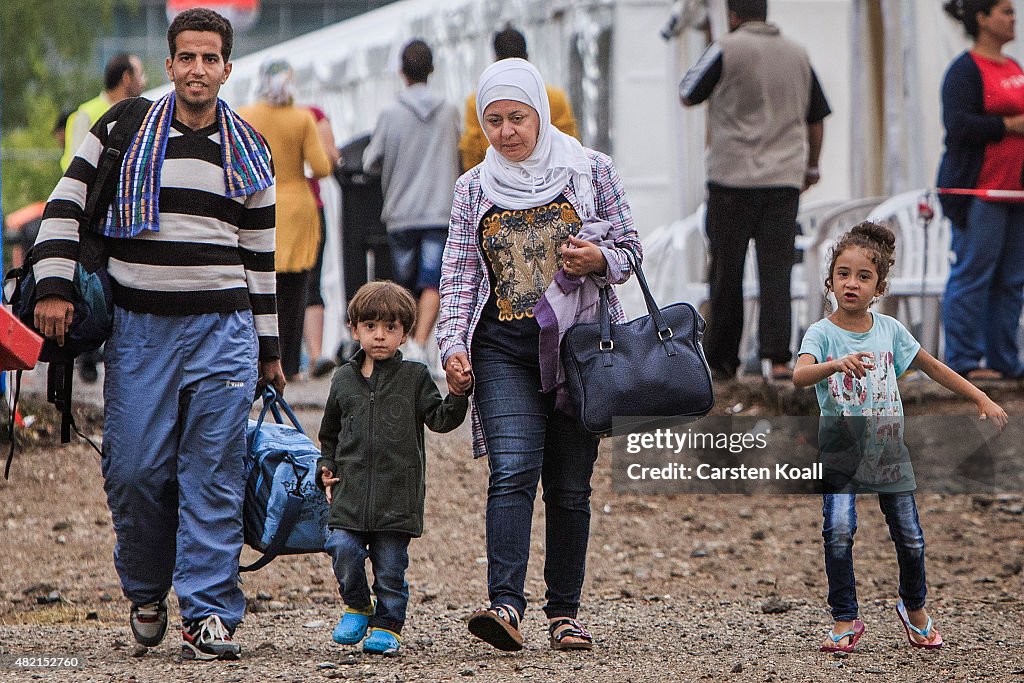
x,y
652,366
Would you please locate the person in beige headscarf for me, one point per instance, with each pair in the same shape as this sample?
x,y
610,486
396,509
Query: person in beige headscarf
x,y
292,135
540,215
510,43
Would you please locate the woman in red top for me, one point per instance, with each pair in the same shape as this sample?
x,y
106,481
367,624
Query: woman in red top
x,y
983,112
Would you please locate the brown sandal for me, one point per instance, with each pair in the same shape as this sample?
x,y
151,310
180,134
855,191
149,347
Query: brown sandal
x,y
573,629
497,626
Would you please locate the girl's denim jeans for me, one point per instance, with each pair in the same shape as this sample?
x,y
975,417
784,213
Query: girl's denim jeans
x,y
529,442
840,525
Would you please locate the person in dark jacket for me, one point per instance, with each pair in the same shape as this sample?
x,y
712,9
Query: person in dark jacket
x,y
983,113
373,463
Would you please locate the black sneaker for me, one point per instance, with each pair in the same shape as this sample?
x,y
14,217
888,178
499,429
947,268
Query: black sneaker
x,y
149,622
722,375
207,639
88,370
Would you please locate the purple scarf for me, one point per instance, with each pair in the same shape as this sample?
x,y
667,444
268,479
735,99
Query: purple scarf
x,y
566,301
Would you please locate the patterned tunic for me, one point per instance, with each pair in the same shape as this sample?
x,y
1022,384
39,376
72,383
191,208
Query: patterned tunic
x,y
465,286
522,250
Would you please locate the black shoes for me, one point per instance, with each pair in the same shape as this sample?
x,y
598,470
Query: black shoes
x,y
322,367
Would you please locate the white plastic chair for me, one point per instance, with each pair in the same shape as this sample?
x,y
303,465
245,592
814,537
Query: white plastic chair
x,y
918,279
675,264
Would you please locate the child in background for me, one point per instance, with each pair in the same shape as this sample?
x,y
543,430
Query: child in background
x,y
373,464
853,358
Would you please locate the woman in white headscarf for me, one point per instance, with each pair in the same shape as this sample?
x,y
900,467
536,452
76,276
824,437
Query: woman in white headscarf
x,y
536,228
294,142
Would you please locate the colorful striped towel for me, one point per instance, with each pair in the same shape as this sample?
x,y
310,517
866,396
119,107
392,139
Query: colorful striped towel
x,y
136,207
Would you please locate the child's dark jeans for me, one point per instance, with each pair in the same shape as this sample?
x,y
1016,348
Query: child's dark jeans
x,y
389,556
840,525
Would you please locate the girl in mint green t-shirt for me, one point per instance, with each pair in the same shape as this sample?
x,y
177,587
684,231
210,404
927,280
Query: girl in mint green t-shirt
x,y
853,358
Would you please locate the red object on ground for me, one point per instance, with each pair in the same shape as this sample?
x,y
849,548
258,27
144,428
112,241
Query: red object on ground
x,y
924,209
19,346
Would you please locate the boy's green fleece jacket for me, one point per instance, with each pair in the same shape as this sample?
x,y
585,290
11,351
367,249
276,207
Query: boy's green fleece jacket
x,y
371,437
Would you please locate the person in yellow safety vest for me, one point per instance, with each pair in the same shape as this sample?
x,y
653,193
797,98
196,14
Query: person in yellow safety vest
x,y
123,77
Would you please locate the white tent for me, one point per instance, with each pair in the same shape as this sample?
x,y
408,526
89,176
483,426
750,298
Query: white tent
x,y
880,63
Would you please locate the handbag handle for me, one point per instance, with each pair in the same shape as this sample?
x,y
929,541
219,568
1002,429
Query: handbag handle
x,y
664,331
606,345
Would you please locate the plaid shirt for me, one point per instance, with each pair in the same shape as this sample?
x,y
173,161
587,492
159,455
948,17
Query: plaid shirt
x,y
465,285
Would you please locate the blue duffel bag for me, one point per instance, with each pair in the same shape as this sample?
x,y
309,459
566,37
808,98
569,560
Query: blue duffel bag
x,y
285,512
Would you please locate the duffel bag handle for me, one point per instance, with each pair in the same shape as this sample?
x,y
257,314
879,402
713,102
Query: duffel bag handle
x,y
275,403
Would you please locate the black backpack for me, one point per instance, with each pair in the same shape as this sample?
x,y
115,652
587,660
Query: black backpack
x,y
93,305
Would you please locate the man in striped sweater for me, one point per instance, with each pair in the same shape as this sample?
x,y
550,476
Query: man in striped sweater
x,y
191,236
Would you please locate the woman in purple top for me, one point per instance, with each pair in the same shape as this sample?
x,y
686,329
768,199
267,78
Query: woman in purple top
x,y
515,275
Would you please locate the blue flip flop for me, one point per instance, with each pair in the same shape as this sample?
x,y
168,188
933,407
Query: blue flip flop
x,y
853,634
925,632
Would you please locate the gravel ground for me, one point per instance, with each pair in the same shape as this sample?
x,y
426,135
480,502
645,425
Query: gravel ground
x,y
679,587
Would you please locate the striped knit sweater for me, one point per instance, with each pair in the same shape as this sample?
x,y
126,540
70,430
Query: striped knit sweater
x,y
213,254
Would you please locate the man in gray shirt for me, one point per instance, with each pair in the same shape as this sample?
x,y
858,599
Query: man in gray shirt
x,y
415,148
765,118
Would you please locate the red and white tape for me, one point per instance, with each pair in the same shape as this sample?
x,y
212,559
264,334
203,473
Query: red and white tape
x,y
985,194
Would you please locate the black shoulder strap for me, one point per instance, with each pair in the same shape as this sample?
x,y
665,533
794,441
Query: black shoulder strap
x,y
59,382
101,192
92,252
10,425
60,376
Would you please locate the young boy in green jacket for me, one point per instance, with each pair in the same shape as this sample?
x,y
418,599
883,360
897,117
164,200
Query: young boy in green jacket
x,y
372,464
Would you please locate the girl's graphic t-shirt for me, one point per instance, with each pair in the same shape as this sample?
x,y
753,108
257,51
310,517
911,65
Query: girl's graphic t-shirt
x,y
861,430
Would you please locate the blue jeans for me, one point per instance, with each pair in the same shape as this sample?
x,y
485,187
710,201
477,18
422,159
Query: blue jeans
x,y
529,442
388,552
840,525
985,291
176,398
416,256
